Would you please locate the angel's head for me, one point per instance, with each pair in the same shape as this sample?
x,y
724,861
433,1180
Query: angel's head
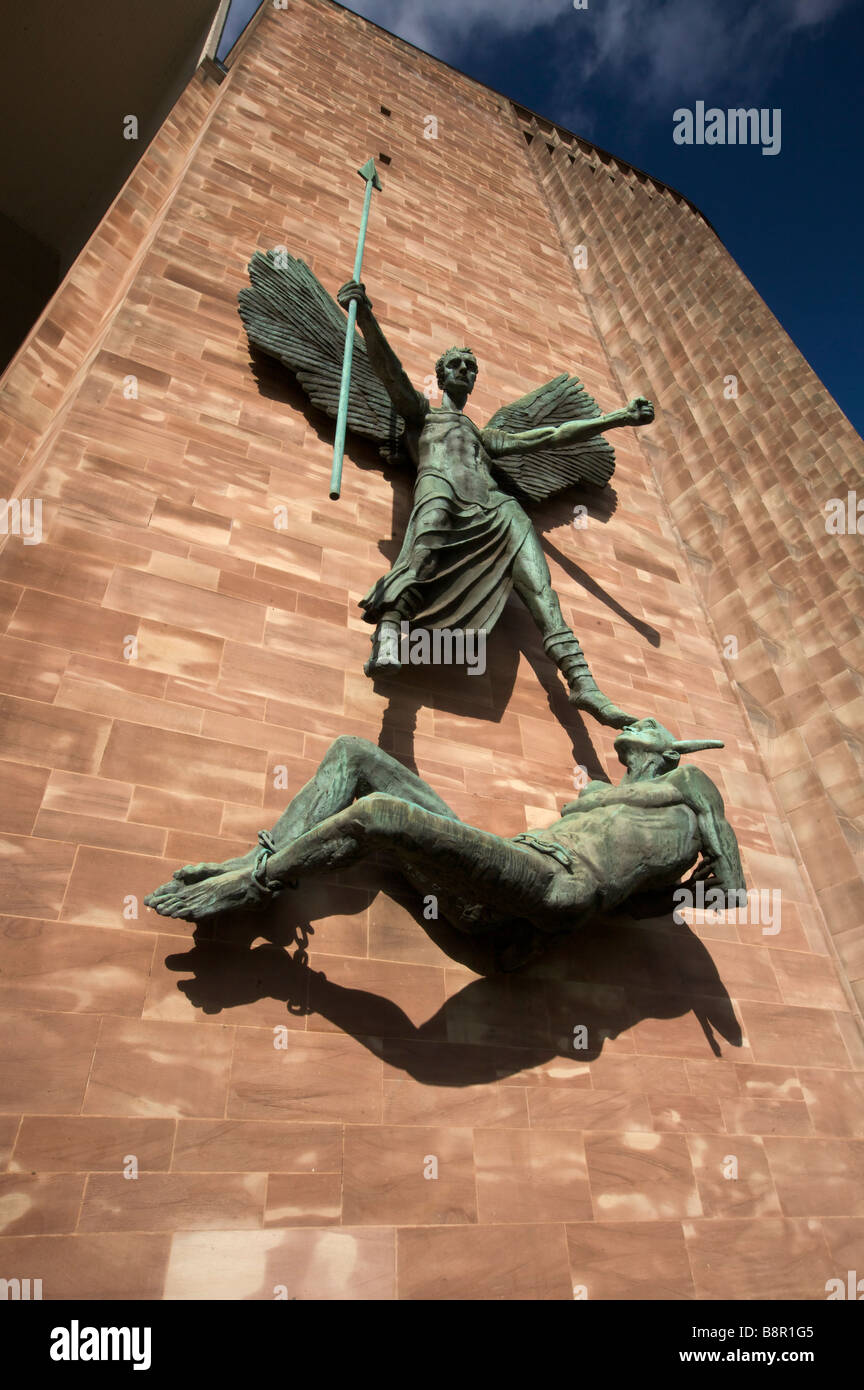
x,y
456,371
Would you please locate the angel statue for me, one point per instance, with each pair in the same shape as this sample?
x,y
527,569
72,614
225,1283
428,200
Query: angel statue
x,y
468,540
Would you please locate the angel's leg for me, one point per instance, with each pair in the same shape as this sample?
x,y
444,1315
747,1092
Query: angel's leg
x,y
432,529
533,583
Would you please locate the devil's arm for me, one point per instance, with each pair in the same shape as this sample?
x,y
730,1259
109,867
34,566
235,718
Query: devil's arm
x,y
641,794
720,854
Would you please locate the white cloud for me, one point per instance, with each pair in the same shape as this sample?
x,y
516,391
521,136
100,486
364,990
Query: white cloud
x,y
807,12
685,44
446,28
643,50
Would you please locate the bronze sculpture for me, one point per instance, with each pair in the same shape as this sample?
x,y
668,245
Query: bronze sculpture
x,y
521,893
468,540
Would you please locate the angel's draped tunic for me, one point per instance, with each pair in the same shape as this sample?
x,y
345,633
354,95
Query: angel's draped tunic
x,y
470,577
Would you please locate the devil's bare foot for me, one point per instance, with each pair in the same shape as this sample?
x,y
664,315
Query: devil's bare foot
x,y
195,873
195,902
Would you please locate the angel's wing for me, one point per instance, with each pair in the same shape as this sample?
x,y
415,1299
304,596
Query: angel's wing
x,y
542,472
289,315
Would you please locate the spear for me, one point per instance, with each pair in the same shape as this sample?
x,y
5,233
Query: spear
x,y
370,174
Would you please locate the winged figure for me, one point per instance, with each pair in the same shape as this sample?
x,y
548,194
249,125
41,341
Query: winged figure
x,y
469,541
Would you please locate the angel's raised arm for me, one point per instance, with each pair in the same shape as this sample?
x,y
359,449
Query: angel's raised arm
x,y
290,316
410,403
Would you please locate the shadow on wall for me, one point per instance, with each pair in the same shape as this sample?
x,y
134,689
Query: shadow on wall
x,y
605,979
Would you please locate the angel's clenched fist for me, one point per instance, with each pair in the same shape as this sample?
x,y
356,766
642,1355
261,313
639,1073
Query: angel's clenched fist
x,y
640,411
352,289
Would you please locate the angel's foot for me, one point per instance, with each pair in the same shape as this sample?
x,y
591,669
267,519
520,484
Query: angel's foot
x,y
385,650
586,696
196,873
564,648
194,902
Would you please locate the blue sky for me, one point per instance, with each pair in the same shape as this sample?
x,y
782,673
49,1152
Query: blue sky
x,y
615,71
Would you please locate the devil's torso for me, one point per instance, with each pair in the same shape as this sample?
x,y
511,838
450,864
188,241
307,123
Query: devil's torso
x,y
620,849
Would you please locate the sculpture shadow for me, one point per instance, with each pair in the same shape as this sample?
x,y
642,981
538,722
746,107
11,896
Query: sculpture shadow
x,y
450,690
586,991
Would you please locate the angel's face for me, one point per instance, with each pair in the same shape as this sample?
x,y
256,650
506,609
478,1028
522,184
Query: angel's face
x,y
458,374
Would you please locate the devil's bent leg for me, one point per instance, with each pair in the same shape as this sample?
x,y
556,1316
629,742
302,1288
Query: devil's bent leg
x,y
352,768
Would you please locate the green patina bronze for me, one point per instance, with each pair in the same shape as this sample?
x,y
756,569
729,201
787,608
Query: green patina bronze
x,y
469,542
370,174
519,893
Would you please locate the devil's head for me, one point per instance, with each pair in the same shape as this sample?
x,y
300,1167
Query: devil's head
x,y
648,742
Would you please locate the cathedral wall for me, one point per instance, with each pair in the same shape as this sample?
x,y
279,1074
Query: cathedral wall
x,y
749,451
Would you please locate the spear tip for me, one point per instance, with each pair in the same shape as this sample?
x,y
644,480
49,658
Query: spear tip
x,y
370,172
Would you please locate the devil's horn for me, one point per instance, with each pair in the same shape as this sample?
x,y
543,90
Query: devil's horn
x,y
695,745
